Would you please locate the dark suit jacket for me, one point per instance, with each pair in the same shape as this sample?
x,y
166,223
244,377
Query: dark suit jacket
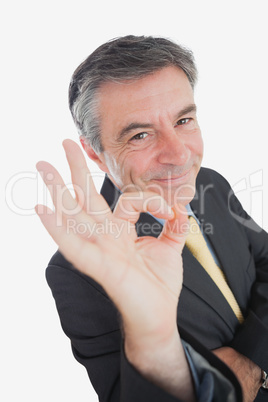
x,y
91,321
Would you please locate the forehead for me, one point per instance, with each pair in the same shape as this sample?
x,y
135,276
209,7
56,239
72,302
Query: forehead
x,y
160,94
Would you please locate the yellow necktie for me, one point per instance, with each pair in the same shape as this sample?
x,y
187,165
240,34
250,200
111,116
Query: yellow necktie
x,y
197,245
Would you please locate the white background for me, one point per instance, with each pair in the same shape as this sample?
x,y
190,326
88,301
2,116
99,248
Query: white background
x,y
42,43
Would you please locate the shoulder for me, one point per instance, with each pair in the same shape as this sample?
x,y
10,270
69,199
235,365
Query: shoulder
x,y
208,176
213,183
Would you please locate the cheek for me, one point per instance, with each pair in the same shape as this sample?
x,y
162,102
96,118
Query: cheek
x,y
196,145
125,169
114,169
135,166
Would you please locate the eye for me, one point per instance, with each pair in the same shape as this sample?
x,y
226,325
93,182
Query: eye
x,y
181,122
139,136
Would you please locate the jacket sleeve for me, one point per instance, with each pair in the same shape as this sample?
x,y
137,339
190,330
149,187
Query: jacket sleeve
x,y
91,321
252,336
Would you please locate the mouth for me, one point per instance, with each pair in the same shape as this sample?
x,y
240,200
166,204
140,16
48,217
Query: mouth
x,y
174,179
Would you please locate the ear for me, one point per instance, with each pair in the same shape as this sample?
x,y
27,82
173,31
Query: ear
x,y
97,158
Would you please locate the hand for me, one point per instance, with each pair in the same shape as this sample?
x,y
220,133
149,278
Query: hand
x,y
247,372
142,276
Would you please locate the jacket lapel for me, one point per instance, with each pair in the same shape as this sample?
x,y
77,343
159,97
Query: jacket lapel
x,y
222,230
196,280
195,277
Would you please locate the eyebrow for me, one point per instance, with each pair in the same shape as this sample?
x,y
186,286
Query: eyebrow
x,y
188,109
136,125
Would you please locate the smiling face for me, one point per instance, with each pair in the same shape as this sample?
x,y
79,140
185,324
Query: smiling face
x,y
150,135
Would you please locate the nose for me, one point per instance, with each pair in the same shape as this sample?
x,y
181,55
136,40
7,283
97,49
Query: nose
x,y
173,149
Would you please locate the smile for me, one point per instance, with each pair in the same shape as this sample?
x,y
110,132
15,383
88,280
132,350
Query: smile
x,y
174,179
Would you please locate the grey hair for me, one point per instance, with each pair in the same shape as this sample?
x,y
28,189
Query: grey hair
x,y
125,58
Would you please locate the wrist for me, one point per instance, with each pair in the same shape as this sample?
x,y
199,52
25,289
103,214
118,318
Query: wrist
x,y
164,364
146,352
149,349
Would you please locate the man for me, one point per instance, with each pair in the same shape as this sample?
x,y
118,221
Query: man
x,y
132,101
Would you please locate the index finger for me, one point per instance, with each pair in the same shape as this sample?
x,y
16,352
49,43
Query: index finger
x,y
130,205
86,194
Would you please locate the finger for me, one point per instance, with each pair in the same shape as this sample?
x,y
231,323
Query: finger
x,y
176,229
130,205
68,211
86,194
75,249
61,196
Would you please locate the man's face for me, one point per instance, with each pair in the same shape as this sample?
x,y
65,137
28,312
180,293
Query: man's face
x,y
150,135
